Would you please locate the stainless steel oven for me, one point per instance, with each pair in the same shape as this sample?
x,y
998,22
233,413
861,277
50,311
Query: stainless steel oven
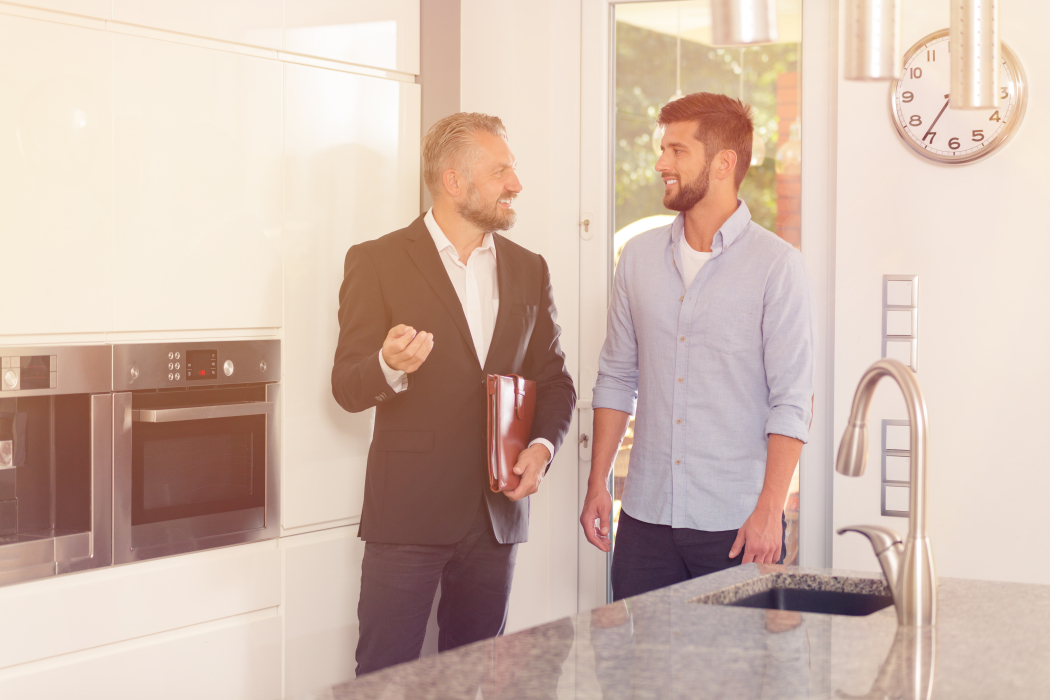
x,y
195,449
56,431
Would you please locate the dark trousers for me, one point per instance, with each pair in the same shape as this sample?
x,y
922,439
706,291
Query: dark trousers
x,y
398,583
647,556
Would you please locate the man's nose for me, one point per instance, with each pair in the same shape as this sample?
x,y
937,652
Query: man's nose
x,y
661,165
515,184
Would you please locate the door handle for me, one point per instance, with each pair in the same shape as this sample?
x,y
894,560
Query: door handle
x,y
172,415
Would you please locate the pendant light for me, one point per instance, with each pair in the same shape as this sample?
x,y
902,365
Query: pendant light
x,y
743,22
975,54
873,39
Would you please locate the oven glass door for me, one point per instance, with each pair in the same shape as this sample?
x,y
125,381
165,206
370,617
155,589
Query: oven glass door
x,y
191,468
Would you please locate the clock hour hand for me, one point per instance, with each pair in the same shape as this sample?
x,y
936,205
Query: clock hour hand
x,y
930,130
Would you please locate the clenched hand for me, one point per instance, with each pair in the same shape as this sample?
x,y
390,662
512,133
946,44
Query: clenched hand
x,y
532,463
405,349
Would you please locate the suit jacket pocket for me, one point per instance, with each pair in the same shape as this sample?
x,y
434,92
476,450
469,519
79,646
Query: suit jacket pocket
x,y
731,325
403,441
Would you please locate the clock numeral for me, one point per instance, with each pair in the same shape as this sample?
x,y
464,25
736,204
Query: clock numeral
x,y
916,72
978,134
931,55
916,120
953,143
907,97
994,117
931,134
1004,93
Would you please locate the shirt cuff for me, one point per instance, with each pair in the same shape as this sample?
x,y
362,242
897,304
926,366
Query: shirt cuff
x,y
782,422
604,397
396,378
546,443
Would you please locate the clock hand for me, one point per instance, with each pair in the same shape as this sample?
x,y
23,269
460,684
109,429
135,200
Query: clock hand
x,y
946,101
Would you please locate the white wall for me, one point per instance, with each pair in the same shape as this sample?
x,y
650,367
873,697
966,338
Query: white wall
x,y
520,61
977,238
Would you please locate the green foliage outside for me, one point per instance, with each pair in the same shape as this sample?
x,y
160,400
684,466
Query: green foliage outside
x,y
645,79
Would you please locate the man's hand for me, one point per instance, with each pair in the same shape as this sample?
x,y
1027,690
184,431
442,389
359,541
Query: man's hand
x,y
761,536
596,518
531,464
405,350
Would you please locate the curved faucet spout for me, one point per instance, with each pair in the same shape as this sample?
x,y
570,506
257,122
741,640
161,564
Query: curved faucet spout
x,y
913,582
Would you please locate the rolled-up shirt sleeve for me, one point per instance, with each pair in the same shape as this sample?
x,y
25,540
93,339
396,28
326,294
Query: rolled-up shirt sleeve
x,y
787,338
617,385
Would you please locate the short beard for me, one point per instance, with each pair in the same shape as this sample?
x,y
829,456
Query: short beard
x,y
485,217
689,194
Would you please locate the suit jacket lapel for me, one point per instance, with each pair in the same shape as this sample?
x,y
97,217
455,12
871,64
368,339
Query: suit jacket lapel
x,y
425,255
505,283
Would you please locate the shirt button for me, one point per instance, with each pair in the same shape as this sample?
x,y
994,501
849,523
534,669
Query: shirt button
x,y
678,461
682,338
681,298
680,380
678,421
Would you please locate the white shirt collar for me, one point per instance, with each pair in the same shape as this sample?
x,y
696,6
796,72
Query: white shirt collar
x,y
443,243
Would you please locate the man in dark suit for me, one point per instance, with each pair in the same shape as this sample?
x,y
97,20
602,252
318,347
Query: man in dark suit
x,y
425,314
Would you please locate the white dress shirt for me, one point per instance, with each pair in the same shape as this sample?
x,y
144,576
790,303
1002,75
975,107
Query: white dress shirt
x,y
477,287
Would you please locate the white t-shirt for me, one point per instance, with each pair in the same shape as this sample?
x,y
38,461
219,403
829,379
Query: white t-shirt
x,y
692,261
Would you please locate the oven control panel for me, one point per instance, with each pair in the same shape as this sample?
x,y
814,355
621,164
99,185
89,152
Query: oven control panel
x,y
25,372
171,365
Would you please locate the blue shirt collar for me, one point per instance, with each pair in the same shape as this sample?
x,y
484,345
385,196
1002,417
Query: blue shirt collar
x,y
726,235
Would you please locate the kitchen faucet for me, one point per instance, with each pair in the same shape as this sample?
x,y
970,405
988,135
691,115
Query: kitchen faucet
x,y
908,566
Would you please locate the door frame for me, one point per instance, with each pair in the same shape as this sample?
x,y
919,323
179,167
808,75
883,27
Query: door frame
x,y
818,68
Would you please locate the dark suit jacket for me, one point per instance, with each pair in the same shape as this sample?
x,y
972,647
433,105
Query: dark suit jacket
x,y
427,468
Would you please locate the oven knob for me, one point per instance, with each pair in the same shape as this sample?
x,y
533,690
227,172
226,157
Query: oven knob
x,y
134,373
171,356
177,376
262,366
170,376
10,379
227,368
171,366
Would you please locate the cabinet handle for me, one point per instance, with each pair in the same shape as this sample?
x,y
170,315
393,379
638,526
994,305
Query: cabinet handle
x,y
172,415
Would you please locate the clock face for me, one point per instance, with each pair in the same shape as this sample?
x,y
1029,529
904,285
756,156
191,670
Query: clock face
x,y
926,122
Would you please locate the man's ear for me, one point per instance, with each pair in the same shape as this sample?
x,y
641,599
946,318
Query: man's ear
x,y
726,164
451,181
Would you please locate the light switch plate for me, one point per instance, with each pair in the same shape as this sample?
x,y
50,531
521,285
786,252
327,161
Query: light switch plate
x,y
895,500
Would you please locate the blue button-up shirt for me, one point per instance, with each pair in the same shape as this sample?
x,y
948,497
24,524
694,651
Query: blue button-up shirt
x,y
708,371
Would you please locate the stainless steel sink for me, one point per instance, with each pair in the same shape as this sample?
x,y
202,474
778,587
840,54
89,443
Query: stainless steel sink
x,y
826,602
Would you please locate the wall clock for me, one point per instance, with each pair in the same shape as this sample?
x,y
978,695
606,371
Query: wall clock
x,y
953,136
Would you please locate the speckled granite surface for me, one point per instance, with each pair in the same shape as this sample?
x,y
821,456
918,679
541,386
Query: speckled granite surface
x,y
992,641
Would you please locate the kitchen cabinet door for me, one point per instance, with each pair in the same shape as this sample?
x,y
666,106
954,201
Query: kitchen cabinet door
x,y
351,174
252,22
197,230
237,658
377,34
56,197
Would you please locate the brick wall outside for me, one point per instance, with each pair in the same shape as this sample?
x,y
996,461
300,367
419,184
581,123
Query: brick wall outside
x,y
789,187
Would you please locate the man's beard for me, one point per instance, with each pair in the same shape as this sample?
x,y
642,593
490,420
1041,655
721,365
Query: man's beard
x,y
487,217
689,194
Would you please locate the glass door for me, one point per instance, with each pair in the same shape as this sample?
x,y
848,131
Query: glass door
x,y
654,52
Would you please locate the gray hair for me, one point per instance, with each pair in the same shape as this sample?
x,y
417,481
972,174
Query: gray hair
x,y
451,143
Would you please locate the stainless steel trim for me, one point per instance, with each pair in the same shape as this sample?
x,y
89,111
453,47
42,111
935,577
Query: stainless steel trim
x,y
97,548
145,365
85,369
122,552
172,415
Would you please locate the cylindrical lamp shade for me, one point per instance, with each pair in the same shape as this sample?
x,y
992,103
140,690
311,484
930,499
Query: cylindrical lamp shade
x,y
975,54
873,39
743,22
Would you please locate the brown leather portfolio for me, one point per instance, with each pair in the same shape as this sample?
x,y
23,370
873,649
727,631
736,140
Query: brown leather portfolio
x,y
511,405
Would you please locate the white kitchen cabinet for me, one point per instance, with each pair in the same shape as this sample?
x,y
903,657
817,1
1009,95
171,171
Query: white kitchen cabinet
x,y
67,614
99,9
197,230
55,187
252,22
378,34
322,584
351,175
235,659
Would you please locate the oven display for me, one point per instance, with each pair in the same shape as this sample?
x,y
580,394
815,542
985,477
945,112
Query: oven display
x,y
201,364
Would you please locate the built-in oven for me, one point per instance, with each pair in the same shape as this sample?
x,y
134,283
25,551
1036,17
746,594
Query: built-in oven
x,y
196,457
56,431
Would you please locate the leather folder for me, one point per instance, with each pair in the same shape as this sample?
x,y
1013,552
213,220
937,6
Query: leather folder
x,y
511,406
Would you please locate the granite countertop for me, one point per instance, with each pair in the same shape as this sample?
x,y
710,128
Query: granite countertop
x,y
992,640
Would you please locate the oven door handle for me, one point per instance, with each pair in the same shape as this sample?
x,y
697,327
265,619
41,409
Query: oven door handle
x,y
172,415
